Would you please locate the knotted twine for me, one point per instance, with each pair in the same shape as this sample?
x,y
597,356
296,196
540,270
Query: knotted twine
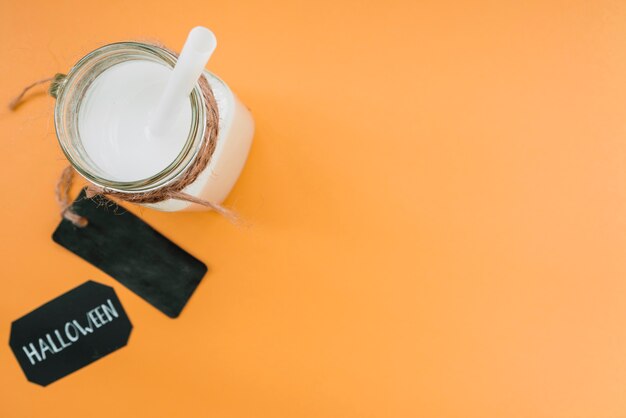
x,y
173,190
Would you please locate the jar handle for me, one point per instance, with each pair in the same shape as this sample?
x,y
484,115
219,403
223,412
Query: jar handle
x,y
57,83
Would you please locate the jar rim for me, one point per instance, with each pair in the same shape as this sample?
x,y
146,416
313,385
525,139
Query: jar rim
x,y
67,108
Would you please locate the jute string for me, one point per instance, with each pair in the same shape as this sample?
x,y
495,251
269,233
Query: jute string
x,y
173,190
18,99
62,194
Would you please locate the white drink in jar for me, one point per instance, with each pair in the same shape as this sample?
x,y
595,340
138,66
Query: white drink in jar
x,y
111,119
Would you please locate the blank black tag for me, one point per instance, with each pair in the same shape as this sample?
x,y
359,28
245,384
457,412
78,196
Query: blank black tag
x,y
69,332
133,253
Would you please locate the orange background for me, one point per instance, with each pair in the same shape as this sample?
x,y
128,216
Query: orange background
x,y
437,200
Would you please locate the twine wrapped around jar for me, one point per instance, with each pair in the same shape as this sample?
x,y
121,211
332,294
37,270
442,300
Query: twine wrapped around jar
x,y
173,190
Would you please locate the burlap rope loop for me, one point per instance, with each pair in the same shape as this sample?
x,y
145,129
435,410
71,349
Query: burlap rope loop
x,y
13,104
173,190
62,194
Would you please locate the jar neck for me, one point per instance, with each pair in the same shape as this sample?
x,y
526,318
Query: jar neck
x,y
70,92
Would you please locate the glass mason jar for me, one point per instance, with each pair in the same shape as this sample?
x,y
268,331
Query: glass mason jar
x,y
236,128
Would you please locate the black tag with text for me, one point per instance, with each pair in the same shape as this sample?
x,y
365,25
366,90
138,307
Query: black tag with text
x,y
69,332
133,253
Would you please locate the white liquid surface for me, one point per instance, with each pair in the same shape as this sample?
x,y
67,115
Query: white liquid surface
x,y
113,118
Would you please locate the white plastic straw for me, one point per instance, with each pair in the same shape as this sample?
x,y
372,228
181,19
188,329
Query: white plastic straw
x,y
196,52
